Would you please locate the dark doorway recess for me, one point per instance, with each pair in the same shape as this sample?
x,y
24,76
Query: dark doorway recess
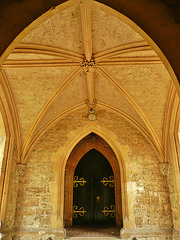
x,y
93,191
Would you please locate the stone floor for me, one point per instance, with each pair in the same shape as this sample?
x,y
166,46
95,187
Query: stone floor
x,y
93,231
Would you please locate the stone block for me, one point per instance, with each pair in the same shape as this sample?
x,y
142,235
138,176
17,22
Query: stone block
x,y
139,221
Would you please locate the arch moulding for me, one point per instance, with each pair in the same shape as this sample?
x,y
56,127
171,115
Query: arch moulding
x,y
61,157
78,152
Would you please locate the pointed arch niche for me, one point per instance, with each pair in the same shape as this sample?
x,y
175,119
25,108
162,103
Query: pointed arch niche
x,y
91,141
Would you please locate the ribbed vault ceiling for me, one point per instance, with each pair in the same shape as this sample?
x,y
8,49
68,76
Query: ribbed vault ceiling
x,y
87,53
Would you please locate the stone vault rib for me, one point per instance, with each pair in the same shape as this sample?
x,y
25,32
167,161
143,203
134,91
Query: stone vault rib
x,y
133,122
130,60
170,110
85,9
27,63
45,109
110,78
8,103
116,51
47,50
42,130
34,138
39,63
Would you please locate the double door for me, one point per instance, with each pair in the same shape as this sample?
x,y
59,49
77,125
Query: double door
x,y
93,191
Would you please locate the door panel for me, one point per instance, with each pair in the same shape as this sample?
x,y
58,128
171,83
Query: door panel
x,y
93,192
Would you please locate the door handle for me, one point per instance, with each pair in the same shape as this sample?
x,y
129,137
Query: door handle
x,y
98,198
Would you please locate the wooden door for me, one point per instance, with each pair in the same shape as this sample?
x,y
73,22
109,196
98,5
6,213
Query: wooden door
x,y
93,191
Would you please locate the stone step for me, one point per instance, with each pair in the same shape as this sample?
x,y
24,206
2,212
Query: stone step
x,y
92,238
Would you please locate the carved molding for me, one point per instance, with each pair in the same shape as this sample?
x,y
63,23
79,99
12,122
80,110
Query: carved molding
x,y
40,63
8,108
91,105
164,168
20,169
88,66
28,48
143,60
86,29
117,51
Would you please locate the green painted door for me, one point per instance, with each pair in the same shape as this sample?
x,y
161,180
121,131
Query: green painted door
x,y
93,191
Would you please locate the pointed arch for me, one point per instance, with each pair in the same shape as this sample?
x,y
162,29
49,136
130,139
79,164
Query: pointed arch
x,y
61,157
77,153
173,152
10,126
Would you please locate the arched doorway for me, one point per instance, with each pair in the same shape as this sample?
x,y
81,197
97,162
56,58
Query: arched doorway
x,y
93,191
88,143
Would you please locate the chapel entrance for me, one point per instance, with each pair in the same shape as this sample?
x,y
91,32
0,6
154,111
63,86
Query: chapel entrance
x,y
94,191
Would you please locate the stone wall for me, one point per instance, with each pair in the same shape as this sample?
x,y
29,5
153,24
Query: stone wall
x,y
152,204
149,201
34,203
173,197
12,195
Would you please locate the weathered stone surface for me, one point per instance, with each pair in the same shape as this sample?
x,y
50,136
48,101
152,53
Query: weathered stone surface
x,y
139,92
151,205
12,195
